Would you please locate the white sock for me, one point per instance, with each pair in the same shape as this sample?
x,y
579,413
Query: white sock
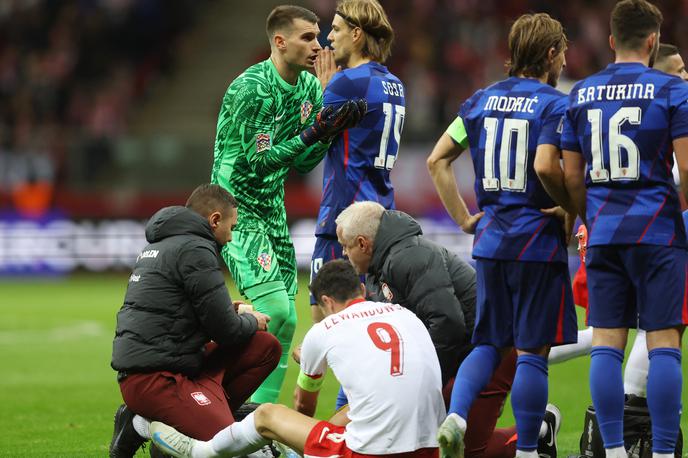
x,y
524,454
617,452
458,420
563,353
238,438
543,430
635,375
662,455
202,449
142,426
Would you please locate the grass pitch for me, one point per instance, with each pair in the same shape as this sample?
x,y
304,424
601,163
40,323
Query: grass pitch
x,y
58,393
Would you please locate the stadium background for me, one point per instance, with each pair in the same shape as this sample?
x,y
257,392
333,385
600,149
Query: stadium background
x,y
108,112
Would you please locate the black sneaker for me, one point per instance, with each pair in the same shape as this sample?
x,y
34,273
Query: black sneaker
x,y
125,440
547,446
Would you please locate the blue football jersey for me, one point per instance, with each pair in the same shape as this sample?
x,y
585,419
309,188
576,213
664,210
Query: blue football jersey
x,y
623,120
359,161
685,218
505,123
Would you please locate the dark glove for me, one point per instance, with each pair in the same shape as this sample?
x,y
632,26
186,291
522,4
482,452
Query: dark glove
x,y
332,119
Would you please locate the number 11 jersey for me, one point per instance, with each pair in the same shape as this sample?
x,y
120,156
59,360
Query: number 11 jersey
x,y
623,120
504,124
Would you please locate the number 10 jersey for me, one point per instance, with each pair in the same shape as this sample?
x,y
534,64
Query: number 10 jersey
x,y
623,120
504,124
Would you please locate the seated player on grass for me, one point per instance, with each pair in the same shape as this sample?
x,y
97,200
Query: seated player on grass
x,y
382,355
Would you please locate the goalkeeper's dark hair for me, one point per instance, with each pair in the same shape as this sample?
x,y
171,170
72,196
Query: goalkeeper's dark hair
x,y
369,16
632,21
282,17
530,39
336,279
209,198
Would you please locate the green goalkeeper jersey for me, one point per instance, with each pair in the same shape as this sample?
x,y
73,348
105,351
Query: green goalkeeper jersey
x,y
258,141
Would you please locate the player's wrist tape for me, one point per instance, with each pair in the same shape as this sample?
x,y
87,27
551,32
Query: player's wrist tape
x,y
308,383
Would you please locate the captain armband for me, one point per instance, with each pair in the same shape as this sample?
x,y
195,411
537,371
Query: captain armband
x,y
457,131
310,383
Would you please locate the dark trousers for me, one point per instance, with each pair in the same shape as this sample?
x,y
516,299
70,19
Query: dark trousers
x,y
482,439
201,406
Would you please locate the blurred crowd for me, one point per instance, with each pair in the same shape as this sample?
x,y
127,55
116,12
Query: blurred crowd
x,y
70,72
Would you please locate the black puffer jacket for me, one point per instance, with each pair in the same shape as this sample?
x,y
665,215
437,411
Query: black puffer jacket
x,y
177,300
432,282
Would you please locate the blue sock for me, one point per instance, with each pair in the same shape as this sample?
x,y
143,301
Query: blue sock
x,y
664,397
341,399
606,388
529,399
473,375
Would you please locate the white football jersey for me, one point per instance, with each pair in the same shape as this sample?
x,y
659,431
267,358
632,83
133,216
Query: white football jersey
x,y
384,359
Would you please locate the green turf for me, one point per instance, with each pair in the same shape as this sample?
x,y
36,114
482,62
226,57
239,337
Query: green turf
x,y
58,393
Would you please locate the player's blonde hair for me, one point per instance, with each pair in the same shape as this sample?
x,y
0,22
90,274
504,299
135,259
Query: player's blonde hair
x,y
360,218
530,39
371,18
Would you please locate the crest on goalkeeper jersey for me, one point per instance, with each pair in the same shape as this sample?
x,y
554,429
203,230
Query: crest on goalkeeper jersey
x,y
262,142
265,260
306,109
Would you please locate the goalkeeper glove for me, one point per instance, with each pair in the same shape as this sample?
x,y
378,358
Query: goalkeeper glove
x,y
332,119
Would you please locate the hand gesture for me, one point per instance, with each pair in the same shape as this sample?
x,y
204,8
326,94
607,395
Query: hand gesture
x,y
325,66
262,318
296,354
567,220
333,119
471,222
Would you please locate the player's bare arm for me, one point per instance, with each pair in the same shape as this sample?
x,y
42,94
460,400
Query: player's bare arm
x,y
548,168
681,151
305,401
439,164
574,180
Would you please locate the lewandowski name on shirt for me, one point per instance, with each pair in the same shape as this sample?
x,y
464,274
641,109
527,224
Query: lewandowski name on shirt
x,y
342,316
616,92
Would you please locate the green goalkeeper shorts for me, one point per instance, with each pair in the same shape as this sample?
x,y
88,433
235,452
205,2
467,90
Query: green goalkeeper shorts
x,y
255,258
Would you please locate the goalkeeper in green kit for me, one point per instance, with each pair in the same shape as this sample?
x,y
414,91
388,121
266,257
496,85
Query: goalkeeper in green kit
x,y
271,120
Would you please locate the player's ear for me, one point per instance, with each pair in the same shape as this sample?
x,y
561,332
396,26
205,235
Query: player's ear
x,y
651,41
214,219
612,43
363,290
279,41
356,34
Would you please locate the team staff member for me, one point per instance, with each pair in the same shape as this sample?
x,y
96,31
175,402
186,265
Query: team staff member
x,y
176,303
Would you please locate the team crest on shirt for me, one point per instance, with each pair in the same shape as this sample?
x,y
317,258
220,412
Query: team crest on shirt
x,y
306,109
200,398
262,142
265,260
387,292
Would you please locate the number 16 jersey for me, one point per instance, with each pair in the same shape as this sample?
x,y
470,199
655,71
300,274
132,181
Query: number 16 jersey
x,y
623,120
384,359
503,125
